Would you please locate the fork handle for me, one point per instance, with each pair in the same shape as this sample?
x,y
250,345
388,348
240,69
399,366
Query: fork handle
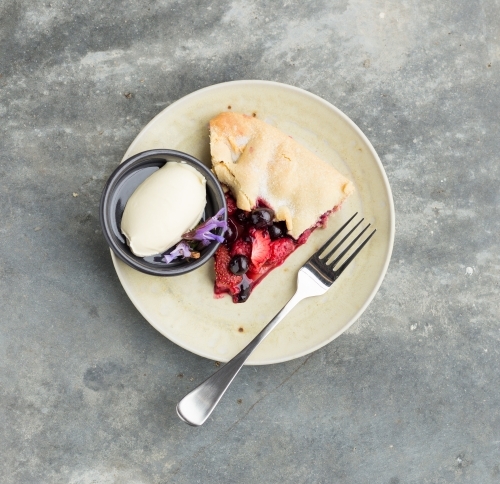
x,y
197,405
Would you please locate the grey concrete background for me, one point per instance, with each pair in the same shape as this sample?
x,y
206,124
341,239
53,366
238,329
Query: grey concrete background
x,y
87,388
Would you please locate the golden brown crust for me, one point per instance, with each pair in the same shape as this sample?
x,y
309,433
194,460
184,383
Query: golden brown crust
x,y
258,161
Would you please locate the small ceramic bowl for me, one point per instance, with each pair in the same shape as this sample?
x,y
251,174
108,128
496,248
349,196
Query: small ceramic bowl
x,y
120,186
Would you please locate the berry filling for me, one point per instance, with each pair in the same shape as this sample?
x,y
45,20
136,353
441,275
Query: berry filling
x,y
254,245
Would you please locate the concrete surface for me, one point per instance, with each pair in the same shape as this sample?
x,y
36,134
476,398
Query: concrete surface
x,y
87,388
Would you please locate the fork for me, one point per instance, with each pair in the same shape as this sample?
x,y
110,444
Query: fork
x,y
314,278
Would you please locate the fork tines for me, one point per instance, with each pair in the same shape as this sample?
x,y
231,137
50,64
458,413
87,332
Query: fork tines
x,y
346,231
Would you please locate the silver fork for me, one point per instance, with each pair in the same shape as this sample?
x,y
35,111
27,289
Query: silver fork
x,y
314,278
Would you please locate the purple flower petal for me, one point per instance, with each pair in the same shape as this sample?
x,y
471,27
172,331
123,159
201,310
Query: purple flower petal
x,y
181,250
210,236
203,231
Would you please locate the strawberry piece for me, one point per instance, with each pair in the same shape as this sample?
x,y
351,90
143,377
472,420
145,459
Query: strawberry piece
x,y
225,280
244,238
281,249
261,250
241,247
255,274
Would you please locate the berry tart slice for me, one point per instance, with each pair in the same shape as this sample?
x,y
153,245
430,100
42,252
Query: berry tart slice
x,y
278,193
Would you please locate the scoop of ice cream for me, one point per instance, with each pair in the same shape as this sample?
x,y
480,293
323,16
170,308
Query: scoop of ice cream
x,y
163,207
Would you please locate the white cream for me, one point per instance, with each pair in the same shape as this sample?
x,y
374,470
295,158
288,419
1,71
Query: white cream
x,y
163,207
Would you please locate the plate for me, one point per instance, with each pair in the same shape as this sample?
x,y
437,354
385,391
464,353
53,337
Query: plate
x,y
183,308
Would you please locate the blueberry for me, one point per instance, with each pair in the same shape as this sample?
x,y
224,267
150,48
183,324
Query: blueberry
x,y
238,265
243,294
245,289
231,233
277,230
261,217
241,216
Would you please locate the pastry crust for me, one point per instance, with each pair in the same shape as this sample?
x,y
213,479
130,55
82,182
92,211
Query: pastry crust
x,y
259,162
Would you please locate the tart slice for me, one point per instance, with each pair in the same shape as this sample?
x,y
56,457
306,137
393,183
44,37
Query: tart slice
x,y
278,193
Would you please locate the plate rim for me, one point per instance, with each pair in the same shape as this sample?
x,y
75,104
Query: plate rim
x,y
386,184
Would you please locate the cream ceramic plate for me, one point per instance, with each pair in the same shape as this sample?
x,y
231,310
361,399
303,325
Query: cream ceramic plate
x,y
183,308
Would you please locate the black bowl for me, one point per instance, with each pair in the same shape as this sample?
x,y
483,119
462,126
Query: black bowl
x,y
120,186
